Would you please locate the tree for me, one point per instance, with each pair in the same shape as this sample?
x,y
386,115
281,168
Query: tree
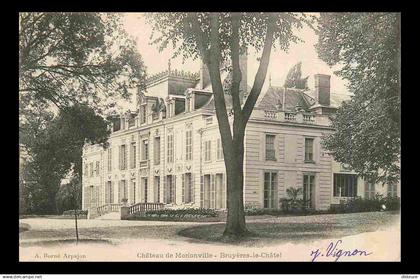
x,y
217,38
69,62
65,58
367,46
294,78
58,149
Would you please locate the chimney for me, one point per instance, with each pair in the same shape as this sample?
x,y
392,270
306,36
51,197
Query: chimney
x,y
322,89
204,76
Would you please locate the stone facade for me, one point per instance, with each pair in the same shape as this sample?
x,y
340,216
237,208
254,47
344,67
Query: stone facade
x,y
169,149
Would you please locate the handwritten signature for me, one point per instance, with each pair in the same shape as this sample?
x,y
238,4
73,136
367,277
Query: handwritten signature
x,y
335,252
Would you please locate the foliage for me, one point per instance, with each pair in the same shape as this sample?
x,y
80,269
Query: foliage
x,y
79,212
69,196
294,78
359,204
367,46
175,214
181,213
57,150
65,58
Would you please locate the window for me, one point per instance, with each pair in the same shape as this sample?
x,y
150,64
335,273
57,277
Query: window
x,y
143,114
145,151
309,190
207,150
170,158
133,155
170,189
270,190
123,157
86,169
122,193
109,160
157,189
97,168
109,195
392,190
133,191
219,149
309,150
187,188
144,186
270,153
91,169
345,185
156,149
369,190
220,191
188,145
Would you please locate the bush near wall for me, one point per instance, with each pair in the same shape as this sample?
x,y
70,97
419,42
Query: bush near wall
x,y
79,212
175,214
378,203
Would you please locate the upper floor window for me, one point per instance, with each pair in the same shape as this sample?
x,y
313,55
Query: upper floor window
x,y
309,149
133,155
97,168
188,145
123,157
392,190
207,150
86,169
170,154
270,152
156,148
219,149
91,169
145,153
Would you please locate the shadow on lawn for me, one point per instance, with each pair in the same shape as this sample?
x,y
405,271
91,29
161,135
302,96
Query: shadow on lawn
x,y
270,233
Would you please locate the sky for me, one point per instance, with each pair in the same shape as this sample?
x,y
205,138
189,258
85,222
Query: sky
x,y
280,61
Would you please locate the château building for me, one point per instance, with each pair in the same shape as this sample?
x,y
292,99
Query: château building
x,y
169,150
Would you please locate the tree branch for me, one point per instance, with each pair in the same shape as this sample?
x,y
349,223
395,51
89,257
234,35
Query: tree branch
x,y
262,69
214,71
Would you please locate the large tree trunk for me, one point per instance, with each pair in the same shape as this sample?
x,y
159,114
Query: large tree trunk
x,y
235,222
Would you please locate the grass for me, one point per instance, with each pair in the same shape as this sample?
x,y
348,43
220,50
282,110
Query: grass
x,y
296,230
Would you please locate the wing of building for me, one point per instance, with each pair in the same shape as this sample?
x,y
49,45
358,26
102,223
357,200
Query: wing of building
x,y
168,152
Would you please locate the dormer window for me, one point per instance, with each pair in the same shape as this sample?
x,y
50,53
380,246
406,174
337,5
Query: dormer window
x,y
143,114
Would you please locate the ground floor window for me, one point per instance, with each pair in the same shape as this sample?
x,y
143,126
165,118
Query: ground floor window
x,y
270,189
170,190
133,191
213,191
122,191
187,188
157,189
392,190
109,193
345,185
369,190
144,186
309,190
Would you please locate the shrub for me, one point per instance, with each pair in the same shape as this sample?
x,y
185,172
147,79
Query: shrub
x,y
365,205
79,212
181,213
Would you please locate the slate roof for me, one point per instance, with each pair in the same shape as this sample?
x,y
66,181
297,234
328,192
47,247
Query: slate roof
x,y
272,99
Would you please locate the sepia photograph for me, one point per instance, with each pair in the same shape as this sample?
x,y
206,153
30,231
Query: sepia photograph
x,y
209,137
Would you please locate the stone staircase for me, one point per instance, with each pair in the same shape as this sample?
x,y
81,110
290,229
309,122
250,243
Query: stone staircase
x,y
115,211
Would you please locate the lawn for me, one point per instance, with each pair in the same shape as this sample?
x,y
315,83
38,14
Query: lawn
x,y
298,229
268,229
